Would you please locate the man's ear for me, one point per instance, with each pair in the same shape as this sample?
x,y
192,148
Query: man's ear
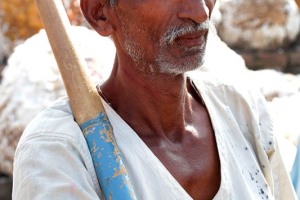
x,y
95,12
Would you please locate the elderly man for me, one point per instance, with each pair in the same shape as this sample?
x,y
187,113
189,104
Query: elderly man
x,y
183,136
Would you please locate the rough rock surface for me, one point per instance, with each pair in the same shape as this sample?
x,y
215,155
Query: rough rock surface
x,y
259,24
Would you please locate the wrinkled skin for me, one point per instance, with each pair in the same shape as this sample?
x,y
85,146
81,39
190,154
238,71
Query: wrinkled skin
x,y
157,42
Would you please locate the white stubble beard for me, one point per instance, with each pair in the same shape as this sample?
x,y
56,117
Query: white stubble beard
x,y
164,62
172,66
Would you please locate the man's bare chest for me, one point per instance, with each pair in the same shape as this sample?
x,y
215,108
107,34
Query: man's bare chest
x,y
194,163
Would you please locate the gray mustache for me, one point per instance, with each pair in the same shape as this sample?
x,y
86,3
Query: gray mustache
x,y
170,36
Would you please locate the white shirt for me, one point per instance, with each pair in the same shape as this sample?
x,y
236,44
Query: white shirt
x,y
52,160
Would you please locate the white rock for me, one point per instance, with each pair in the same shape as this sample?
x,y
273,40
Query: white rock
x,y
275,84
286,114
220,58
259,24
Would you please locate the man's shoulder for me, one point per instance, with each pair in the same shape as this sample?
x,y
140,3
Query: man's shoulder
x,y
239,84
244,101
55,121
238,80
53,149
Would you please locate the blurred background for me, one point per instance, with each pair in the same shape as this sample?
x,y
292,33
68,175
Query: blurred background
x,y
255,41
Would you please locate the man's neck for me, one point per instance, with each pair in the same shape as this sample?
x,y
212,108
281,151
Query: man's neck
x,y
167,114
151,105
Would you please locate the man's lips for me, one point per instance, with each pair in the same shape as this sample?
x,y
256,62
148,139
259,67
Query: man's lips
x,y
192,39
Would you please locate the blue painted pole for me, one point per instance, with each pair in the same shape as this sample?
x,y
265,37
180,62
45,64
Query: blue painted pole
x,y
110,169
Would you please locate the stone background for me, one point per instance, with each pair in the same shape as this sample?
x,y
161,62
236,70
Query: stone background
x,y
284,59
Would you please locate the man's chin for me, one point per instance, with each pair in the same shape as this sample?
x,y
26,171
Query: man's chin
x,y
192,60
180,69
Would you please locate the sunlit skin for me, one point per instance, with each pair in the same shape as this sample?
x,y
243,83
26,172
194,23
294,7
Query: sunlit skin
x,y
158,102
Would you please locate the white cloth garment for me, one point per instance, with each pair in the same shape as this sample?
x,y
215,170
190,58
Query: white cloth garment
x,y
52,160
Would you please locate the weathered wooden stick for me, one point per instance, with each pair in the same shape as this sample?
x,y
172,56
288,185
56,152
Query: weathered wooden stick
x,y
298,3
86,103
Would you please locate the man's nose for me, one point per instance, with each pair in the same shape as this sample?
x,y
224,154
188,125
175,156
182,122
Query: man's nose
x,y
195,10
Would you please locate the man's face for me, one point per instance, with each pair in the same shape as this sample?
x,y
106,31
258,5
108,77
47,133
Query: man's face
x,y
163,36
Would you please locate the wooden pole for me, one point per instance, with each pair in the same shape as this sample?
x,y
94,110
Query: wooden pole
x,y
86,104
298,3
